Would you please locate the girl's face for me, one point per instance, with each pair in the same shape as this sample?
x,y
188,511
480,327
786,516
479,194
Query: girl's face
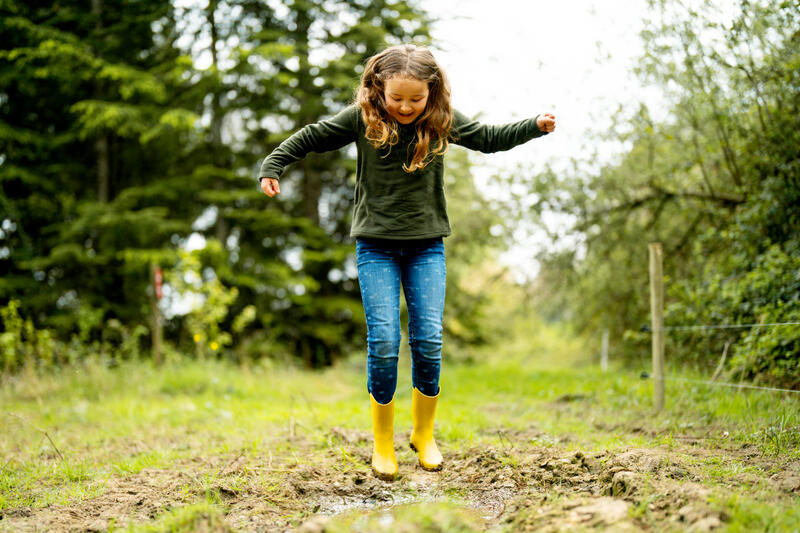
x,y
406,98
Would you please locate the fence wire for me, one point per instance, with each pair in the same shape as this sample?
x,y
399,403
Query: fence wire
x,y
734,385
722,326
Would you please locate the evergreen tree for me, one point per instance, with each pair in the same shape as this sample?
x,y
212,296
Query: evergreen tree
x,y
92,127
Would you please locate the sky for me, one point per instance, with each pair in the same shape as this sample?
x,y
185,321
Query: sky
x,y
529,56
512,59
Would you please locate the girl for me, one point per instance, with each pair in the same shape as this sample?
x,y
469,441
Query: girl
x,y
402,124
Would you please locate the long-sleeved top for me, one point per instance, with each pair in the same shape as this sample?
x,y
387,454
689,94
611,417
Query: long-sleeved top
x,y
391,203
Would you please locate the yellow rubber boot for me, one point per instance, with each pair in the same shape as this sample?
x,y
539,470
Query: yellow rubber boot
x,y
384,464
423,411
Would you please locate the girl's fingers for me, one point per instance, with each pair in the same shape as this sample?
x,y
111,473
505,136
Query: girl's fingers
x,y
270,187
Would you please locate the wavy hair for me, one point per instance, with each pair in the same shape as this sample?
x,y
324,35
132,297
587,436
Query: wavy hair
x,y
431,127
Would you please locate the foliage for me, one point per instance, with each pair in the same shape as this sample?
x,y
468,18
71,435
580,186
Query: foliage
x,y
22,344
208,322
717,181
20,341
126,128
91,126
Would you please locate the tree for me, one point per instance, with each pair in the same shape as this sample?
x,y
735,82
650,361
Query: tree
x,y
717,183
90,129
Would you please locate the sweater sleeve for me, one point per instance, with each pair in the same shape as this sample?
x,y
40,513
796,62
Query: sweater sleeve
x,y
322,136
484,138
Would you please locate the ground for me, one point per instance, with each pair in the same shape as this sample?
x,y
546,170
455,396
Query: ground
x,y
208,446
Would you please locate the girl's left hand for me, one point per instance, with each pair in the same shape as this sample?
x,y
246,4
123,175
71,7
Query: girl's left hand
x,y
546,122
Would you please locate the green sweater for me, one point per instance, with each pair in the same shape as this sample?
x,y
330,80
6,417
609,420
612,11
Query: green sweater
x,y
389,202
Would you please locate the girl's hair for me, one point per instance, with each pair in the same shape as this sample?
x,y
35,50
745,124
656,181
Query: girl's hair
x,y
433,125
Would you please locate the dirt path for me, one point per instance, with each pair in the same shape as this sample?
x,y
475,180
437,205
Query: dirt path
x,y
515,487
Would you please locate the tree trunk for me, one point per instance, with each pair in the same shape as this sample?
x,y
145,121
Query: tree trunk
x,y
311,182
222,228
101,143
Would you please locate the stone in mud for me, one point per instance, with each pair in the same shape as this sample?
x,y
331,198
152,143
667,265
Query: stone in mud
x,y
708,523
315,525
623,483
787,481
698,518
677,472
601,512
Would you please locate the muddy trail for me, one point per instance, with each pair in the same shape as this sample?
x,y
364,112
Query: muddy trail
x,y
515,486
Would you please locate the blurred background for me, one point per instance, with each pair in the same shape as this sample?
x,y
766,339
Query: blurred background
x,y
132,225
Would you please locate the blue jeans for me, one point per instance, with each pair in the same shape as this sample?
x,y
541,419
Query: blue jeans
x,y
420,266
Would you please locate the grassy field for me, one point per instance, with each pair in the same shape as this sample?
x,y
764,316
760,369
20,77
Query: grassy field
x,y
209,446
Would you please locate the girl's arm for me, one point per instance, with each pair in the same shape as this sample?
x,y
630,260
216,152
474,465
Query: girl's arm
x,y
485,138
322,136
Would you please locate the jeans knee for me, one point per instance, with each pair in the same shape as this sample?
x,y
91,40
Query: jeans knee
x,y
427,351
384,351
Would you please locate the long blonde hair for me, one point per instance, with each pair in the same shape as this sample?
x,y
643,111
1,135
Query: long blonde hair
x,y
435,122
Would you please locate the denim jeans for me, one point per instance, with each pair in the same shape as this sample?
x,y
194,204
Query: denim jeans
x,y
420,266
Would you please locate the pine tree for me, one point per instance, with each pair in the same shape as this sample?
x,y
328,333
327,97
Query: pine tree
x,y
91,130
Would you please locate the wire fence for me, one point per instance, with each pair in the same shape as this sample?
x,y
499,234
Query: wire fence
x,y
657,329
646,375
721,326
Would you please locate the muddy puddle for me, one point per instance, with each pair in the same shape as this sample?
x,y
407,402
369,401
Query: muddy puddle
x,y
516,487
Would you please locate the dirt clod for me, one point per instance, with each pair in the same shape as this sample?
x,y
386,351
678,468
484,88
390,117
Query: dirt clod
x,y
623,483
315,525
602,511
787,481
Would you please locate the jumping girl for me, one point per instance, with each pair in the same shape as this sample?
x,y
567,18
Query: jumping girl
x,y
402,124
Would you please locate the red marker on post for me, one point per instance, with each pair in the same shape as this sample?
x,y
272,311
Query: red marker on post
x,y
158,280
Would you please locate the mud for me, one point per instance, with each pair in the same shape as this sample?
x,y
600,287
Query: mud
x,y
514,487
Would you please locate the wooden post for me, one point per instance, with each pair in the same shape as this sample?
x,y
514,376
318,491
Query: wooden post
x,y
604,352
657,323
155,316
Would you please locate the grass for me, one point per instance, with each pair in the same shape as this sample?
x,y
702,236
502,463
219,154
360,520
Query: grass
x,y
238,429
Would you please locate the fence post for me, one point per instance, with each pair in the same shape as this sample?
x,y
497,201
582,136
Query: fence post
x,y
154,293
604,352
657,323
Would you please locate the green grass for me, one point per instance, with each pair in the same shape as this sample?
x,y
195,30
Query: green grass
x,y
113,423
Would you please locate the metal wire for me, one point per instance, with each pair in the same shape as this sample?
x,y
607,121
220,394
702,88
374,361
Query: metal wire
x,y
733,326
735,385
646,328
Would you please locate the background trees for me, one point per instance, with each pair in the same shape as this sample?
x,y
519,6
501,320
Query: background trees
x,y
716,180
132,132
92,126
133,129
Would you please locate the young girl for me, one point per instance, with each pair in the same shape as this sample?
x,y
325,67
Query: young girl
x,y
402,124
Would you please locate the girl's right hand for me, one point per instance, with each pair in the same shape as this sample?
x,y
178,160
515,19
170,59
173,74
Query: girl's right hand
x,y
270,186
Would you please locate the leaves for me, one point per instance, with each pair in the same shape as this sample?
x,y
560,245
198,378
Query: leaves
x,y
717,183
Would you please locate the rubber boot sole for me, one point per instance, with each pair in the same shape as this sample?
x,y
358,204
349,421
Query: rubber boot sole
x,y
434,469
382,476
